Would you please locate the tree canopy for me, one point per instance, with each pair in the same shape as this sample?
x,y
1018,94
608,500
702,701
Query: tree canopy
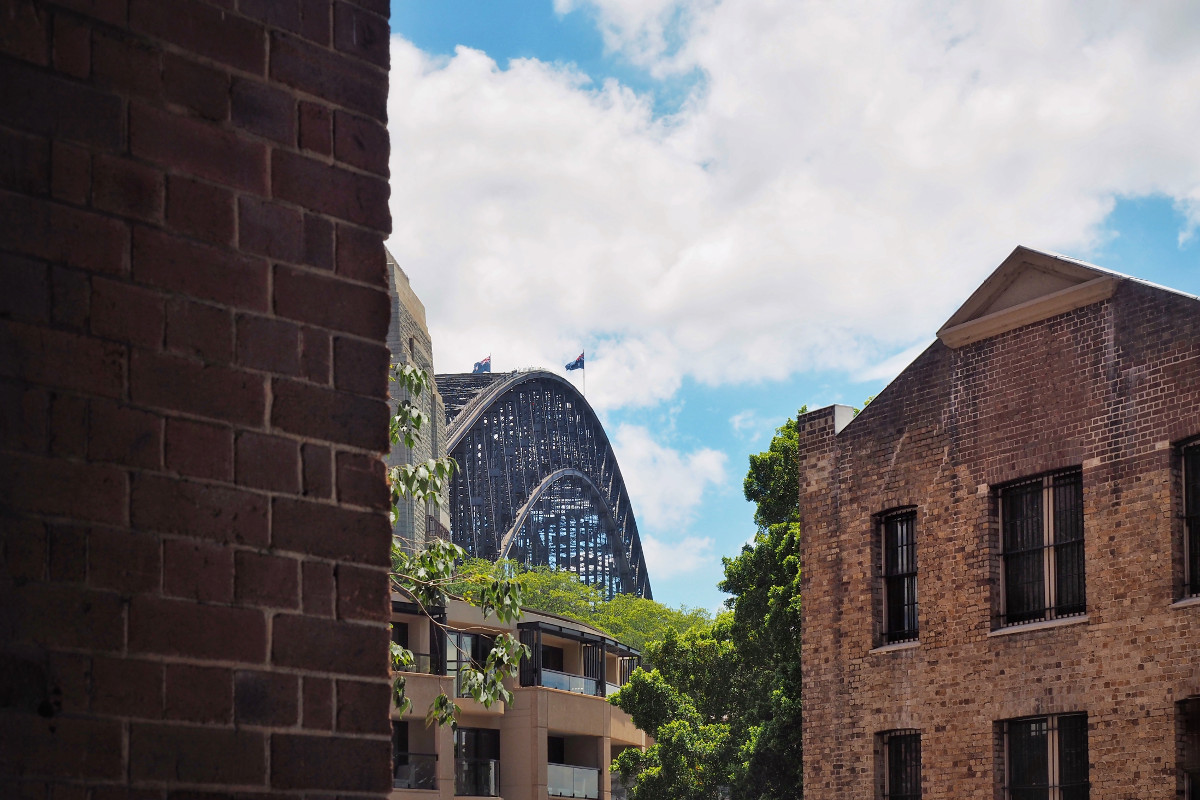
x,y
723,700
631,620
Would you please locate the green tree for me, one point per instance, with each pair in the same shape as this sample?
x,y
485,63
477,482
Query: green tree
x,y
631,620
741,673
690,758
430,578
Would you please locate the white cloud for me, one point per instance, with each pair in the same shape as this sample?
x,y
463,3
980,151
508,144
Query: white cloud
x,y
847,173
665,485
747,424
666,560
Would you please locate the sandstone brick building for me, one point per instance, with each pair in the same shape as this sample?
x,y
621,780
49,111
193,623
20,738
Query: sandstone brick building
x,y
193,414
409,342
1001,560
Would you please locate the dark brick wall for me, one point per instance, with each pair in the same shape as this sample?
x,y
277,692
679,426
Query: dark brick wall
x,y
193,305
1110,387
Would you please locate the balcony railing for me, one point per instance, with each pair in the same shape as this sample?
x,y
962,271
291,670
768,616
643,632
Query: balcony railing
x,y
423,663
610,689
553,679
477,777
620,788
415,771
563,780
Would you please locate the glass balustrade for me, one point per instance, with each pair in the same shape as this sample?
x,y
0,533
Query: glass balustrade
x,y
610,689
553,679
415,771
477,777
563,780
424,663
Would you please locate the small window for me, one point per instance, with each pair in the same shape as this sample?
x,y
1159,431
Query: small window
x,y
1041,540
899,531
901,767
1191,511
1046,758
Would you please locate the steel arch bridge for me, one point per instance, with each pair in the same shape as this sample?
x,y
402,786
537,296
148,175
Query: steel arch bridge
x,y
538,481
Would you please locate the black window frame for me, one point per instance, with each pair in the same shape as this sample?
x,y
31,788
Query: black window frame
x,y
898,575
1046,757
900,768
1042,540
1190,463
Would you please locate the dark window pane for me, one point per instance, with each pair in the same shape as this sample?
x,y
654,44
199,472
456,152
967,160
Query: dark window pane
x,y
900,576
1073,754
1191,475
903,766
1024,586
1068,567
1068,507
1028,758
1021,507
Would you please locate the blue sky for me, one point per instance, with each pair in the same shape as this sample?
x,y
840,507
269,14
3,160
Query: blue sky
x,y
739,208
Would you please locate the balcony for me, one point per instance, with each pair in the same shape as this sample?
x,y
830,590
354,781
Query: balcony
x,y
477,777
553,679
610,689
564,780
415,771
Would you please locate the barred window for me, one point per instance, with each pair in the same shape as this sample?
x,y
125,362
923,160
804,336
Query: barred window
x,y
1041,537
899,531
1189,746
1191,505
901,753
1046,758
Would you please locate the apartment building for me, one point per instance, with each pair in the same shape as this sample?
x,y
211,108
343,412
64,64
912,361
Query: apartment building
x,y
556,739
1002,553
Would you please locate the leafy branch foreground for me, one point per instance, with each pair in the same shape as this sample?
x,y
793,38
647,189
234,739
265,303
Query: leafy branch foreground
x,y
430,578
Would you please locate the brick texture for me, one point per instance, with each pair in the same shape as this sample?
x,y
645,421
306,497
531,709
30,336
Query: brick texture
x,y
192,590
1112,388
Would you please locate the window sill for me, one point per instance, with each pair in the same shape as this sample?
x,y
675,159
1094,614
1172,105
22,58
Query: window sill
x,y
891,648
1040,625
1186,602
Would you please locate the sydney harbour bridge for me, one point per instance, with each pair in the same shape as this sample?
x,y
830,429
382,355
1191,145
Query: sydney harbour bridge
x,y
538,481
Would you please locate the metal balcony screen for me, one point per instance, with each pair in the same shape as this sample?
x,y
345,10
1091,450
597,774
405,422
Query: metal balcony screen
x,y
903,771
900,576
1047,758
1191,491
1042,539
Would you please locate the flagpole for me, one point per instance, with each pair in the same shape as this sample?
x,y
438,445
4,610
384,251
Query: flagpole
x,y
584,371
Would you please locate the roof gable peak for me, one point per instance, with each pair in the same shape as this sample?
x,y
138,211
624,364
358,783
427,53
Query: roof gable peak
x,y
1027,287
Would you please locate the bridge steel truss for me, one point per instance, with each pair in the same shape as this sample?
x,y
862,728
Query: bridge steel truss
x,y
538,483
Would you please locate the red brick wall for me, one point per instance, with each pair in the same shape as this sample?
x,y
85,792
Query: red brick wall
x,y
192,397
1109,387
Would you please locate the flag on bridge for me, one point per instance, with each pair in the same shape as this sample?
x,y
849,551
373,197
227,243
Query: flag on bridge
x,y
577,363
483,365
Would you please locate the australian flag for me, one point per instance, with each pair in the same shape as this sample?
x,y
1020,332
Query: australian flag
x,y
485,365
577,363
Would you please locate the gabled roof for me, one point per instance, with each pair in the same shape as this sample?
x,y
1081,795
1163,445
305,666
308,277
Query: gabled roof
x,y
1027,287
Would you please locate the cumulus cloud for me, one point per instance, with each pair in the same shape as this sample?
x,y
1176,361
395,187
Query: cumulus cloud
x,y
665,484
842,178
665,560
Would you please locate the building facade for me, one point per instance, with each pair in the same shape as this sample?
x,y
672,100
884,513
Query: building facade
x,y
409,342
193,304
1001,560
556,739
